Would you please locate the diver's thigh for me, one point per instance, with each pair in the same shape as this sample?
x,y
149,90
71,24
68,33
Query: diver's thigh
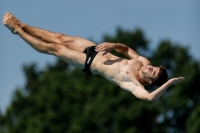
x,y
76,43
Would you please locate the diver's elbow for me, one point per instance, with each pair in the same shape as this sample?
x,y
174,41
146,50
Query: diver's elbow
x,y
150,98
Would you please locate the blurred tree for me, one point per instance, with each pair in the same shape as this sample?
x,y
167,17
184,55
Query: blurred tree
x,y
62,99
180,100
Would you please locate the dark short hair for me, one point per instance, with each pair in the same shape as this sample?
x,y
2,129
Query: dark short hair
x,y
161,78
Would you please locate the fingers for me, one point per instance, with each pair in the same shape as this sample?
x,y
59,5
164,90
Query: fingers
x,y
176,80
181,79
101,47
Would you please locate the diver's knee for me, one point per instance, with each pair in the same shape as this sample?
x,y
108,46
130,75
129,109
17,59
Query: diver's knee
x,y
52,48
66,39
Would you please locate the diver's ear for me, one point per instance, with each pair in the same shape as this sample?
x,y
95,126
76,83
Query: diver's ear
x,y
149,81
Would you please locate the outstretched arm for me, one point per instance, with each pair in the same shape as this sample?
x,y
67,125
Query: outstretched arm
x,y
121,48
145,95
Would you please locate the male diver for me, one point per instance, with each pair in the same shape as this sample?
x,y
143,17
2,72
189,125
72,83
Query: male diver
x,y
129,74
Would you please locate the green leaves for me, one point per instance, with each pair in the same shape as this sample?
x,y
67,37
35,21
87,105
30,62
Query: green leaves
x,y
63,99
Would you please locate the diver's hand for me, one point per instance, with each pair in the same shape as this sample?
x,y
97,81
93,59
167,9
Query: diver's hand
x,y
174,81
106,46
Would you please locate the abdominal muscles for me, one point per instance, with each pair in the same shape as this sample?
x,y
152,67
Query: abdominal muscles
x,y
115,72
115,69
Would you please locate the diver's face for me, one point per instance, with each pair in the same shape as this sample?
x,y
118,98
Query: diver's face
x,y
150,71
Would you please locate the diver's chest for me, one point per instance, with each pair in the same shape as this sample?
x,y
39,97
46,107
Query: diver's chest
x,y
129,73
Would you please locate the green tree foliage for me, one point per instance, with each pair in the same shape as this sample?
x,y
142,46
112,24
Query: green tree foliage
x,y
59,99
182,99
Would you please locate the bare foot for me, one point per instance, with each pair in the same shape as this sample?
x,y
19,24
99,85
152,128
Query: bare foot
x,y
14,19
12,26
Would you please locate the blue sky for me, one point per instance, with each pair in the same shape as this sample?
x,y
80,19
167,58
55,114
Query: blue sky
x,y
178,21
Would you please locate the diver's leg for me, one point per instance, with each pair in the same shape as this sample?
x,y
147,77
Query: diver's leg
x,y
42,34
71,42
36,43
72,57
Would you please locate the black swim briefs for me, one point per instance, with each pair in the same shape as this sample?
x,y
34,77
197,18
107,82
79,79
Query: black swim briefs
x,y
90,54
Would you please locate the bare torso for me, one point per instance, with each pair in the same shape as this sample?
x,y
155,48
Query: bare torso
x,y
118,71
